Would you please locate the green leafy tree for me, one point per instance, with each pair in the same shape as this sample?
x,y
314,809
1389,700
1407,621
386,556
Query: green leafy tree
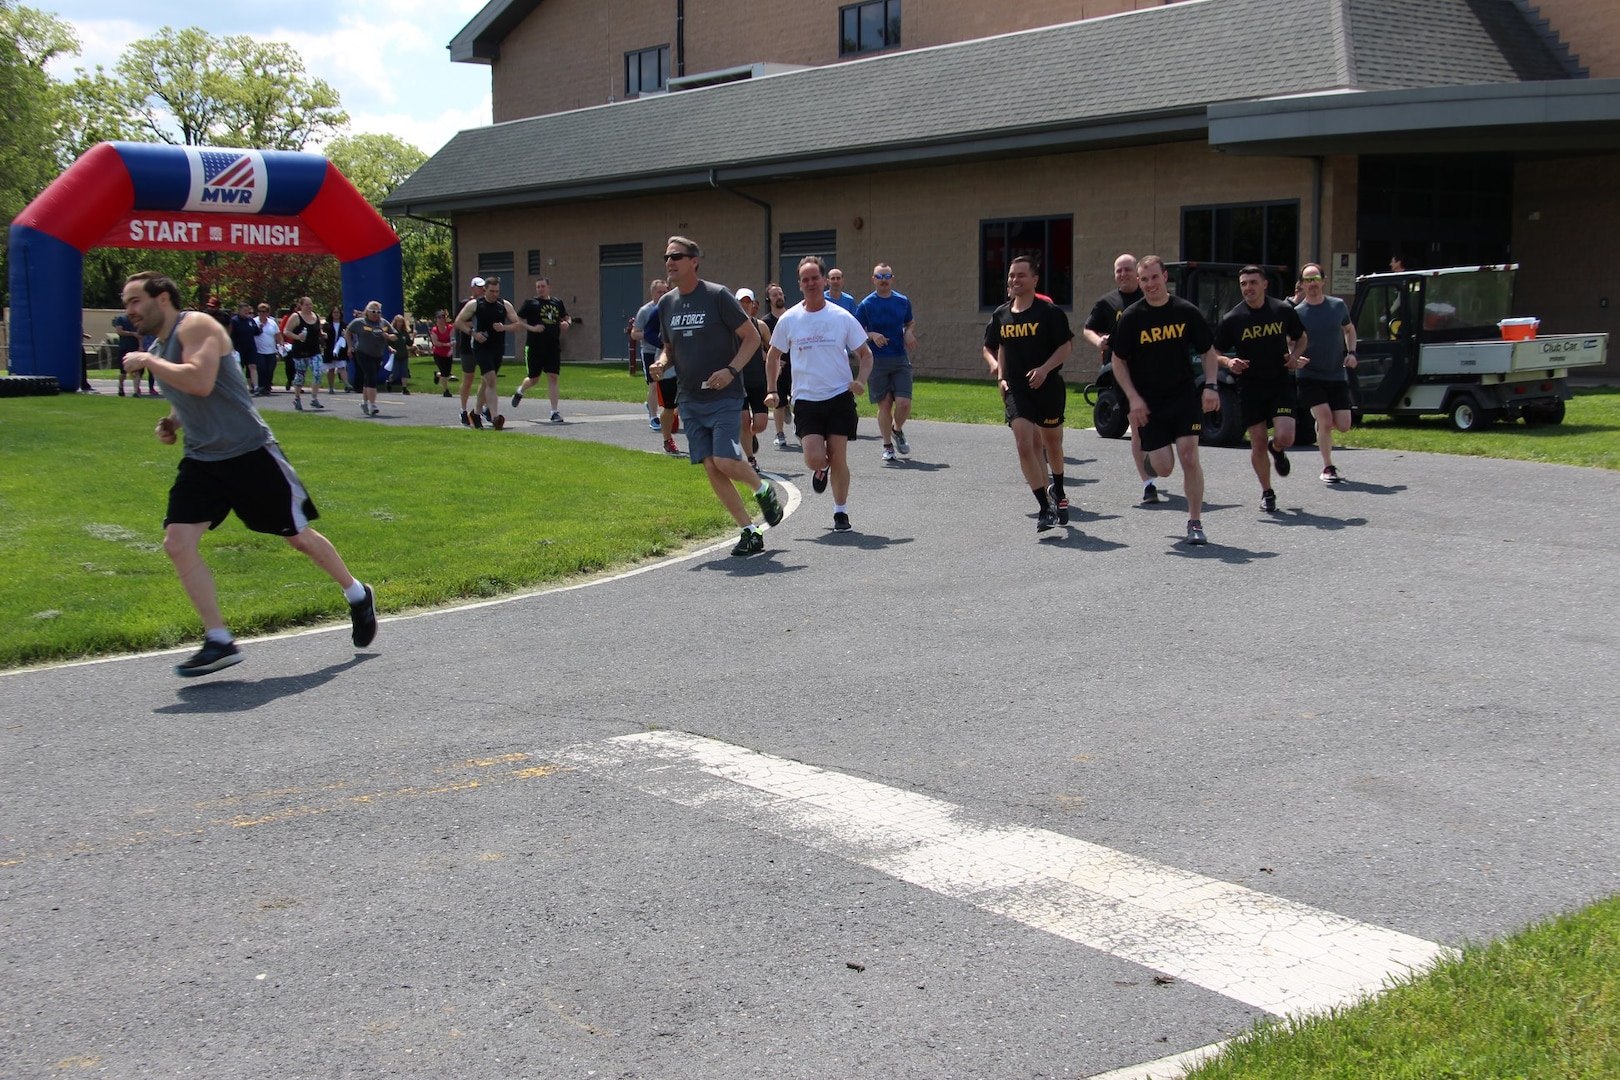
x,y
29,40
190,88
376,165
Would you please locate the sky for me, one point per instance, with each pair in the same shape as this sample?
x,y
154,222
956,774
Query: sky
x,y
386,58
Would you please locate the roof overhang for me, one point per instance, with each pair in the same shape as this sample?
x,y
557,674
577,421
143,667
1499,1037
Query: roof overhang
x,y
1567,116
479,42
1180,126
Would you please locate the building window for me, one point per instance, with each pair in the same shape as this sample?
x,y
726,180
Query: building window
x,y
868,27
1266,233
646,70
1049,241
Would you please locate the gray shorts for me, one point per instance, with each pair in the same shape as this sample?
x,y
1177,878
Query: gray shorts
x,y
891,377
712,428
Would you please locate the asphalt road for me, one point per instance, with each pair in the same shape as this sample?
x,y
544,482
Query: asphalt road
x,y
1392,702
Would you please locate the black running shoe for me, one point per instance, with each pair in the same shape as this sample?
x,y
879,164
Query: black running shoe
x,y
752,543
1268,501
1150,494
477,421
1195,533
1046,520
465,422
211,657
818,481
1062,508
1279,460
769,505
517,399
841,522
488,419
363,616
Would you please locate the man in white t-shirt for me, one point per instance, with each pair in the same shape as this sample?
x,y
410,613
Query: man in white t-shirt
x,y
822,336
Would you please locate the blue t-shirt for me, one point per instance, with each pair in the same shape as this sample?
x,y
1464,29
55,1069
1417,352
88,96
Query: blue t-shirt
x,y
889,316
843,300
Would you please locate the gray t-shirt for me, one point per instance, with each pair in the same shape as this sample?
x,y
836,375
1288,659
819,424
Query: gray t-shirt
x,y
1324,345
222,424
700,332
644,316
368,338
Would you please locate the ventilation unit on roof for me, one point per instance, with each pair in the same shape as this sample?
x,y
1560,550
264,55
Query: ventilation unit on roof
x,y
729,75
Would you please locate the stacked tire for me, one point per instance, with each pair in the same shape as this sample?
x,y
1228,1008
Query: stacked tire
x,y
28,386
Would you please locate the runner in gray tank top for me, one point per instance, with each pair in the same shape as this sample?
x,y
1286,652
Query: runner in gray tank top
x,y
230,464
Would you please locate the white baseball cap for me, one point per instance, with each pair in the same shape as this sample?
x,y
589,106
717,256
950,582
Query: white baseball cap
x,y
745,294
478,283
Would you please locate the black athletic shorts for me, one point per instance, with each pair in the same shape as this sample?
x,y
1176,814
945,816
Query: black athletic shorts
x,y
784,385
755,393
835,416
1314,392
1262,400
543,361
1174,418
669,393
1042,407
259,486
366,370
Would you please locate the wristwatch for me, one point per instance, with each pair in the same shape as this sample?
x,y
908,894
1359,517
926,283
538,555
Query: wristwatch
x,y
1211,386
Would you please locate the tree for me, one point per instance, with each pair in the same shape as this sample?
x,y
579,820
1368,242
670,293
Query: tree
x,y
190,88
376,165
29,40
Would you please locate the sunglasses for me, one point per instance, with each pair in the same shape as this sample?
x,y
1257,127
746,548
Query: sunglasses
x,y
677,255
1311,277
882,277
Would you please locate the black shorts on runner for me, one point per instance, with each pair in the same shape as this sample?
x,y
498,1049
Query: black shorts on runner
x,y
669,393
1042,407
1264,400
259,486
366,371
1314,392
835,416
1173,419
784,385
543,361
756,397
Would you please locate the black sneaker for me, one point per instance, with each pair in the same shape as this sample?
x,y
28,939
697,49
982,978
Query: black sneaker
x,y
1046,520
488,419
211,657
1330,475
477,421
516,399
1279,460
465,422
1150,494
1268,501
752,543
364,618
1195,533
841,522
818,480
769,505
554,418
1062,508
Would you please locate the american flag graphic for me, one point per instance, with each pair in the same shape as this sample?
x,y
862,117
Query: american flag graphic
x,y
226,170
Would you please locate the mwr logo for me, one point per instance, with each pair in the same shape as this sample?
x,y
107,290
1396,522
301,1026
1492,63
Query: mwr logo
x,y
226,181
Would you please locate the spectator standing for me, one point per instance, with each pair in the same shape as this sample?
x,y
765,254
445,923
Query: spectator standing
x,y
244,330
332,348
401,374
266,336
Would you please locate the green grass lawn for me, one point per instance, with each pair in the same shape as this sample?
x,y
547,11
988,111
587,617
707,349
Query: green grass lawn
x,y
84,485
1543,1003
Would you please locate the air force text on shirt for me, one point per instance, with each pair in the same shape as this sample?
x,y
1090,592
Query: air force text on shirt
x,y
687,322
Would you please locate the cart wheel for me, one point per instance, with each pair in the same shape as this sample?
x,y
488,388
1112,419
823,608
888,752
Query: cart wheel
x,y
1544,414
1466,415
1109,415
1225,426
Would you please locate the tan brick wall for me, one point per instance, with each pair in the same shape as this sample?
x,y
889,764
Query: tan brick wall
x,y
1591,29
1564,278
570,53
925,222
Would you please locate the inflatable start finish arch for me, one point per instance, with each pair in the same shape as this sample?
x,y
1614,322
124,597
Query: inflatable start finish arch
x,y
190,198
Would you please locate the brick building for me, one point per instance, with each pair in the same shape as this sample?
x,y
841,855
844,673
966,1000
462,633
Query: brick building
x,y
946,137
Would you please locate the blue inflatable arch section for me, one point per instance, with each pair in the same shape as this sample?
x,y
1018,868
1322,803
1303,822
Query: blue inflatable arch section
x,y
191,198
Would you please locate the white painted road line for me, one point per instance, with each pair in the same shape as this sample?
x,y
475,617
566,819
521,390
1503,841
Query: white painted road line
x,y
1267,952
